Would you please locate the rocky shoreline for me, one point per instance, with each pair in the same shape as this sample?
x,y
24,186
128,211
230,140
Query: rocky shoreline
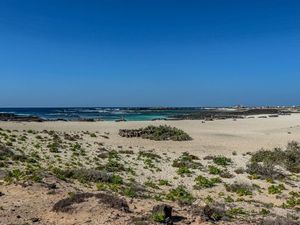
x,y
18,118
209,114
234,114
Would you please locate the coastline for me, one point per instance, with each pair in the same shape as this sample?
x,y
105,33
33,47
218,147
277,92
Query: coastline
x,y
139,114
228,135
93,147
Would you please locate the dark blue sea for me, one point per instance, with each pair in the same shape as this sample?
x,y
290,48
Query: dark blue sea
x,y
100,113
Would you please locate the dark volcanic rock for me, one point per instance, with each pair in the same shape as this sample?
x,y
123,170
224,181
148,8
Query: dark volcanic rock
x,y
212,114
214,212
164,210
13,117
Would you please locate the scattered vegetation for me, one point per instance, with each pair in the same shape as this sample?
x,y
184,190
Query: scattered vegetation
x,y
87,175
84,161
149,159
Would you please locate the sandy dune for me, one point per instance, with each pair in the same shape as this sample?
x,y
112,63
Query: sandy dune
x,y
221,136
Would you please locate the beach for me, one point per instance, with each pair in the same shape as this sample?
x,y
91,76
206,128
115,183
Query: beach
x,y
55,146
211,137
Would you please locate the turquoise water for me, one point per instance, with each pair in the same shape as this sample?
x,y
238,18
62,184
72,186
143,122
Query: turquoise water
x,y
100,113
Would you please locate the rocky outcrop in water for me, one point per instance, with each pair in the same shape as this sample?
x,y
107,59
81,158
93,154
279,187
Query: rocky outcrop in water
x,y
13,117
210,115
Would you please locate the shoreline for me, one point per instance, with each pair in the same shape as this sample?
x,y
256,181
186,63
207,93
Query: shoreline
x,y
146,115
219,135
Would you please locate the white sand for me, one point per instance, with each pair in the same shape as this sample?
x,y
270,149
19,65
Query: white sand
x,y
215,137
220,137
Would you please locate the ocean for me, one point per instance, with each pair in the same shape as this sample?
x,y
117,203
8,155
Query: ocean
x,y
101,113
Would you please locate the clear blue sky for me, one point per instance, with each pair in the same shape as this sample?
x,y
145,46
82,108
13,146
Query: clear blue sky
x,y
149,52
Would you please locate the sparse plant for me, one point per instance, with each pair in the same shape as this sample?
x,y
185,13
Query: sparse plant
x,y
203,182
222,160
214,170
181,195
183,171
240,189
164,183
273,189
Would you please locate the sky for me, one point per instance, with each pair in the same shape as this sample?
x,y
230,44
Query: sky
x,y
58,53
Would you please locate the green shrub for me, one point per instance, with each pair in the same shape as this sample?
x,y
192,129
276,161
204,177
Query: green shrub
x,y
151,184
181,195
288,158
240,189
158,217
273,189
187,160
203,182
264,170
164,183
29,174
214,170
293,200
183,170
233,212
264,212
222,160
87,175
54,147
14,175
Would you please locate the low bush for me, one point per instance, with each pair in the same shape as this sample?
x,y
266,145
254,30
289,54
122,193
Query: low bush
x,y
264,171
240,189
187,160
159,133
181,195
222,160
87,175
203,182
214,170
164,183
288,158
273,189
183,171
65,205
